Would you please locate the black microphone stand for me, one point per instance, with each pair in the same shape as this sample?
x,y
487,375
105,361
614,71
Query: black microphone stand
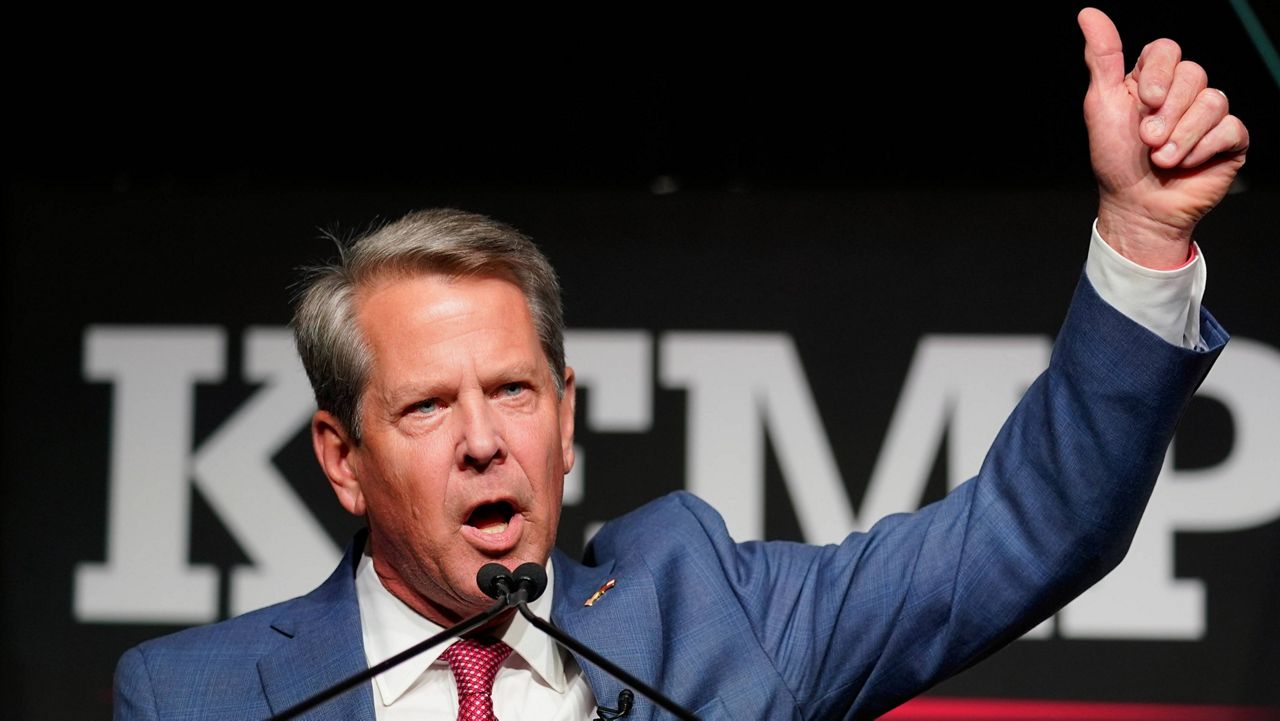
x,y
574,645
530,581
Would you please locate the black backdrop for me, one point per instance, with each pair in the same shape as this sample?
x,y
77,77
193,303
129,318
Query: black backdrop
x,y
856,189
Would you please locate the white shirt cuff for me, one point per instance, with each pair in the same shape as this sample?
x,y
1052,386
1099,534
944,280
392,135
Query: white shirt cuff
x,y
1165,302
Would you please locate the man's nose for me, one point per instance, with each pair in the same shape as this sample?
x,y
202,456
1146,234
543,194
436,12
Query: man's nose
x,y
480,442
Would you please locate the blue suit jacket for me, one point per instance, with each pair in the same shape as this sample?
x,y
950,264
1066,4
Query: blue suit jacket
x,y
785,630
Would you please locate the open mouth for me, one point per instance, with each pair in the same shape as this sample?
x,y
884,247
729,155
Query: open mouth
x,y
491,518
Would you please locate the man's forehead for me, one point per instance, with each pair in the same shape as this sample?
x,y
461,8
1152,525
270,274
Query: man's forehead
x,y
454,322
425,297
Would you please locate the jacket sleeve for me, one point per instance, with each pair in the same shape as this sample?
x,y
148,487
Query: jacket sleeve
x,y
854,629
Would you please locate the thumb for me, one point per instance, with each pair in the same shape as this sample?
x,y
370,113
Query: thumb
x,y
1103,53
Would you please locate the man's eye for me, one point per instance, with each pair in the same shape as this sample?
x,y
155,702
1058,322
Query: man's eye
x,y
427,406
511,390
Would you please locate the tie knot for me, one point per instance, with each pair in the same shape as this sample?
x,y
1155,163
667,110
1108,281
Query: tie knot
x,y
474,662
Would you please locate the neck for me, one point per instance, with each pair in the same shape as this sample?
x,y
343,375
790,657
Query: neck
x,y
441,614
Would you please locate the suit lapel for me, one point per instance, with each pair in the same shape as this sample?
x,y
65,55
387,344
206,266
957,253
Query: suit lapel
x,y
326,646
623,624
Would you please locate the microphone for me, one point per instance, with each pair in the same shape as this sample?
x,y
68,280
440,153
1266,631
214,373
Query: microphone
x,y
532,579
495,580
526,584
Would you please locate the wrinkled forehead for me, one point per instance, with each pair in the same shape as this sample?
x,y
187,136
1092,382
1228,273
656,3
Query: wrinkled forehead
x,y
419,320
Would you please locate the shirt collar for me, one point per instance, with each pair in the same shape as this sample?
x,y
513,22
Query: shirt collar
x,y
389,626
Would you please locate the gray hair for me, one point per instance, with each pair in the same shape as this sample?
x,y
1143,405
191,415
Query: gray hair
x,y
444,242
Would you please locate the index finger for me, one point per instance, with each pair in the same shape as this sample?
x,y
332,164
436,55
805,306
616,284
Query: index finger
x,y
1103,52
1154,71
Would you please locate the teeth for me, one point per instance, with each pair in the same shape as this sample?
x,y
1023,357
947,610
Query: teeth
x,y
495,528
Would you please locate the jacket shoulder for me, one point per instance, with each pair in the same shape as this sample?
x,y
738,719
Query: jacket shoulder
x,y
674,521
249,634
213,671
191,671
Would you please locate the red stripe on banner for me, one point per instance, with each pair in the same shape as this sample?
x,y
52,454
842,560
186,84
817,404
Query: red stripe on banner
x,y
986,709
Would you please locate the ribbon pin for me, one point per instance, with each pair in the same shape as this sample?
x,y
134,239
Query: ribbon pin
x,y
603,590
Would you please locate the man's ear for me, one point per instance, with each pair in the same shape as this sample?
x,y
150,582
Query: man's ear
x,y
566,419
337,455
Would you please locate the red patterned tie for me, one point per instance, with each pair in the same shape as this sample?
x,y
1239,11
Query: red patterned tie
x,y
474,662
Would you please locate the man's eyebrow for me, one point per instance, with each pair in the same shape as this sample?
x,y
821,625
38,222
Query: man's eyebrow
x,y
427,386
521,368
411,391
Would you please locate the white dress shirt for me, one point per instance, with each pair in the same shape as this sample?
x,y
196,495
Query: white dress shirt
x,y
541,682
538,682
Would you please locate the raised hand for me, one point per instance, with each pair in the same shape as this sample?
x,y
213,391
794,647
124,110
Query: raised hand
x,y
1163,146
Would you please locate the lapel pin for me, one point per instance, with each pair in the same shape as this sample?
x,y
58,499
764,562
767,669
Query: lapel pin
x,y
603,590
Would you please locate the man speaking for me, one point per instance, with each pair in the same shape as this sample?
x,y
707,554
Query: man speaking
x,y
446,419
